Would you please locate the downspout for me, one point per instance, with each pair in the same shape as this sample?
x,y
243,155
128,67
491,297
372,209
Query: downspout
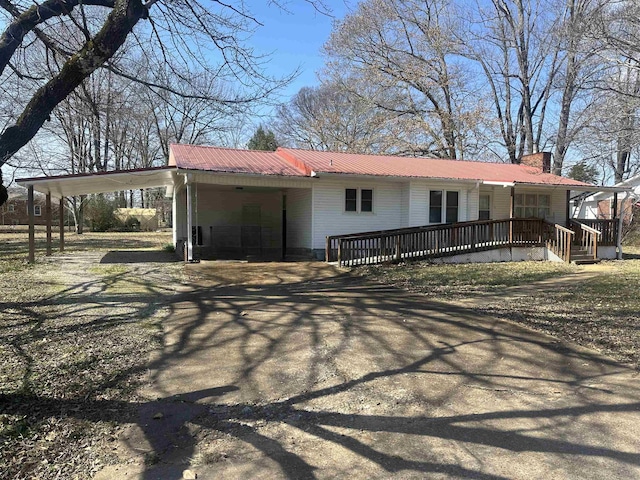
x,y
620,222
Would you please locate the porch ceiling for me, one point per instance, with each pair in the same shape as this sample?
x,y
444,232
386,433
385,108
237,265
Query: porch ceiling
x,y
83,184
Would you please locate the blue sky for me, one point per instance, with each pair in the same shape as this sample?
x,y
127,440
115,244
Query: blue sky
x,y
294,39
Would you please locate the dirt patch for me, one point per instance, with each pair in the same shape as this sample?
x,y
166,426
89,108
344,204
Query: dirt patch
x,y
277,370
305,371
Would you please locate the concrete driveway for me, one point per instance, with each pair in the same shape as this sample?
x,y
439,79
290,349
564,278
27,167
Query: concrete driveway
x,y
299,370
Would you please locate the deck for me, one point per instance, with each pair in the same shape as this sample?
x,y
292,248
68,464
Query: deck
x,y
582,238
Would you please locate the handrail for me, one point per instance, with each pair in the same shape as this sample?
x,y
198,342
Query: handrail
x,y
560,227
586,227
560,242
588,239
433,241
608,229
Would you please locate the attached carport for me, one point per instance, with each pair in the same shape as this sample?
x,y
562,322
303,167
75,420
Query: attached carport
x,y
59,187
228,208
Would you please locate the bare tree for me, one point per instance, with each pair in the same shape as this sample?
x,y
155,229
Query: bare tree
x,y
409,50
53,47
328,117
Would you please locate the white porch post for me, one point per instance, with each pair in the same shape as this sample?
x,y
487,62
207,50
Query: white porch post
x,y
189,222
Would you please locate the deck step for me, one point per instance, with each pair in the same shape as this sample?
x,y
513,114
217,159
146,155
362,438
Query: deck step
x,y
585,261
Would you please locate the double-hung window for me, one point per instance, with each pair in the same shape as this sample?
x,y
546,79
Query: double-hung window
x,y
358,200
443,204
37,210
484,207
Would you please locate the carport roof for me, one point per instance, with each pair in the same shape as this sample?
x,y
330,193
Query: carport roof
x,y
101,182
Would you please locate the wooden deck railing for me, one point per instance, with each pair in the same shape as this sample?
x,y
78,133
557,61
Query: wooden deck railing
x,y
586,237
444,240
608,230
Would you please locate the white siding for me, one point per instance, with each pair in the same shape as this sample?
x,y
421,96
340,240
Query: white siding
x,y
558,206
299,217
419,201
406,195
418,205
473,203
330,218
501,199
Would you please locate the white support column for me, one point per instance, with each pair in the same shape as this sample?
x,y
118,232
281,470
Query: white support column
x,y
189,222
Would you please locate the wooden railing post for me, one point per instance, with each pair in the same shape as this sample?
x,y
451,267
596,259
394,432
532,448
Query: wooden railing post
x,y
398,249
327,249
340,252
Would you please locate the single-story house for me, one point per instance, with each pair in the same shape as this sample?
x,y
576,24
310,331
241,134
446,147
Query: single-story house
x,y
291,201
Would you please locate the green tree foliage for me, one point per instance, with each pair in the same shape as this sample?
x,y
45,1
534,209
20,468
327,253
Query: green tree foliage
x,y
584,173
263,140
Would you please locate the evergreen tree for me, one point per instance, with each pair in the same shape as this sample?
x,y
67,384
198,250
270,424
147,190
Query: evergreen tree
x,y
263,140
584,173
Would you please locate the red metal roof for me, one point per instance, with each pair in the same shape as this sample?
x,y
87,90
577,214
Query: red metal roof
x,y
357,164
229,160
294,162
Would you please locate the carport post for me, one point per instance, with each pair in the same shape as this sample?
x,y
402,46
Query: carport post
x,y
189,223
47,210
61,223
32,232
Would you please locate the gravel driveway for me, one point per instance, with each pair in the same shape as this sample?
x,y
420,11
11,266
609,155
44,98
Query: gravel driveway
x,y
300,370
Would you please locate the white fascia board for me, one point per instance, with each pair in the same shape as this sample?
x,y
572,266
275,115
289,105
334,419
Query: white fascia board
x,y
499,184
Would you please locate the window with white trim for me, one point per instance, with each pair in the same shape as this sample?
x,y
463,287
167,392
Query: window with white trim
x,y
484,206
527,205
443,204
11,208
359,200
37,210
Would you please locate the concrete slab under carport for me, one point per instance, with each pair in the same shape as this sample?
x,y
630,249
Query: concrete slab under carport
x,y
300,370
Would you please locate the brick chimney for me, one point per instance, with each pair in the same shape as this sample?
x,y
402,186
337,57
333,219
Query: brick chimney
x,y
540,161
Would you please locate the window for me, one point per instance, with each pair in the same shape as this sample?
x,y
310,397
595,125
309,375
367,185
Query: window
x,y
439,209
37,210
11,207
351,200
532,205
435,206
452,207
366,200
484,207
358,200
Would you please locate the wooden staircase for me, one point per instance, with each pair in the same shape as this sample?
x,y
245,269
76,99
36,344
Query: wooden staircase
x,y
580,256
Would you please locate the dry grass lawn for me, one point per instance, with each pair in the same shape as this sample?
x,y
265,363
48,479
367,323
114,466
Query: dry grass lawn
x,y
72,352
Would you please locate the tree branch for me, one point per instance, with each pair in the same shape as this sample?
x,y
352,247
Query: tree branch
x,y
26,21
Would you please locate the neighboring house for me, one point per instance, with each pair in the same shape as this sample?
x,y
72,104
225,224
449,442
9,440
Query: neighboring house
x,y
15,211
607,205
229,202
